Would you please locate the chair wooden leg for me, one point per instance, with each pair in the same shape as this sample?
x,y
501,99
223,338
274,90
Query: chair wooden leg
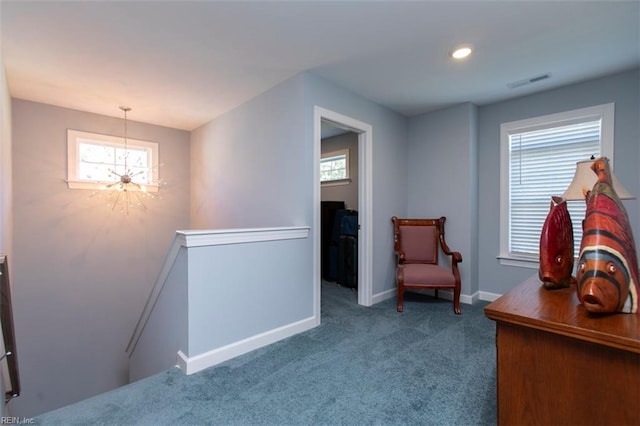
x,y
400,284
400,307
456,301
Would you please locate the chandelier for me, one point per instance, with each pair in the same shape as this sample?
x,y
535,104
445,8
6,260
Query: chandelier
x,y
124,192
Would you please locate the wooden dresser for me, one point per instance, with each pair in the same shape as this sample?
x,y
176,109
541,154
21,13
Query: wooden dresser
x,y
559,365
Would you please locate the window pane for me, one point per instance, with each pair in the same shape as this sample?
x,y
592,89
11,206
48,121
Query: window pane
x,y
333,168
140,174
90,153
106,163
95,172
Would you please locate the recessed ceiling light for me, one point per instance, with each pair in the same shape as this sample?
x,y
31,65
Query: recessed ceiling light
x,y
461,52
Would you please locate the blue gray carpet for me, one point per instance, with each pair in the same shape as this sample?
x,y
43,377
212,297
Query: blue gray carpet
x,y
373,365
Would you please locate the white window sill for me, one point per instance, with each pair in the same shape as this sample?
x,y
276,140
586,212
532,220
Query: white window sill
x,y
529,262
101,186
336,182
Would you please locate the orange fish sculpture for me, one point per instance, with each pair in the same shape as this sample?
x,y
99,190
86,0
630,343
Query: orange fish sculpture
x,y
556,247
607,277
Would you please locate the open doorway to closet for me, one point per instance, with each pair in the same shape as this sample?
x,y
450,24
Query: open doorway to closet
x,y
362,161
339,209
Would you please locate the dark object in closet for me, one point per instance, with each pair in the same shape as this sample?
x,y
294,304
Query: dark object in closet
x,y
328,250
346,230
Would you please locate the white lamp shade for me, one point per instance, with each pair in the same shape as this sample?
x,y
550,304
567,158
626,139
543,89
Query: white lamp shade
x,y
585,178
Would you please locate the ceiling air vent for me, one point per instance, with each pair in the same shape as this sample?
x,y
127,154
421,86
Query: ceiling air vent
x,y
529,80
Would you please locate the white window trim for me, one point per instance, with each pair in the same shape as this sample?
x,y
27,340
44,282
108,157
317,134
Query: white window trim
x,y
336,182
604,112
75,137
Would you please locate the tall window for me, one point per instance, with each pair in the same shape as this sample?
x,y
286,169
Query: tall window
x,y
95,160
334,167
539,159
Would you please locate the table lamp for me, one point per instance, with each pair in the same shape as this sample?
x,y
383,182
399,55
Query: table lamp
x,y
585,178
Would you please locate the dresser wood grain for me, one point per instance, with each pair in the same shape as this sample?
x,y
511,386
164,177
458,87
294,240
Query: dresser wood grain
x,y
559,365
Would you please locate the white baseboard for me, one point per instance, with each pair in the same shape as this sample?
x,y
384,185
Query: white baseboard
x,y
191,365
388,294
468,299
443,294
489,297
448,295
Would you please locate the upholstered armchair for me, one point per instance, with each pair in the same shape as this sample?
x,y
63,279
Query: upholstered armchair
x,y
417,243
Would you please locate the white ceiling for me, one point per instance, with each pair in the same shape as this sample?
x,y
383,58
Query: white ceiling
x,y
181,64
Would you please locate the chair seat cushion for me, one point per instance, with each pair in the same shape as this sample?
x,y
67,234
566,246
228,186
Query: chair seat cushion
x,y
425,274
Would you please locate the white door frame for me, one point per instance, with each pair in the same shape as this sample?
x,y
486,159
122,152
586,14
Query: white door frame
x,y
365,222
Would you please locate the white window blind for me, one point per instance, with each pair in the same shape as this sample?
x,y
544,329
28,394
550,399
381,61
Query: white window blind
x,y
541,164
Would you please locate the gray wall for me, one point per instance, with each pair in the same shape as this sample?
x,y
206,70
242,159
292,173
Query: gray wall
x,y
251,166
81,272
622,89
347,192
443,167
239,292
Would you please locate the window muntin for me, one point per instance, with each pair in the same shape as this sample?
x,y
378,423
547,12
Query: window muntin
x,y
334,166
95,160
539,157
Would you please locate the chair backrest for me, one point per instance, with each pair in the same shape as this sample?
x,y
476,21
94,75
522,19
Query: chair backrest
x,y
416,240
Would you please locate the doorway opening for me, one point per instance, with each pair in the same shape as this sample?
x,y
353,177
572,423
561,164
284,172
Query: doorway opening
x,y
339,210
362,131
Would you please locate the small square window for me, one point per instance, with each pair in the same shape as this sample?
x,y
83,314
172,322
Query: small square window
x,y
334,166
95,160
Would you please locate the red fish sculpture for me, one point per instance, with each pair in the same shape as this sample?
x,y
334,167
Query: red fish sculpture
x,y
608,267
556,247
